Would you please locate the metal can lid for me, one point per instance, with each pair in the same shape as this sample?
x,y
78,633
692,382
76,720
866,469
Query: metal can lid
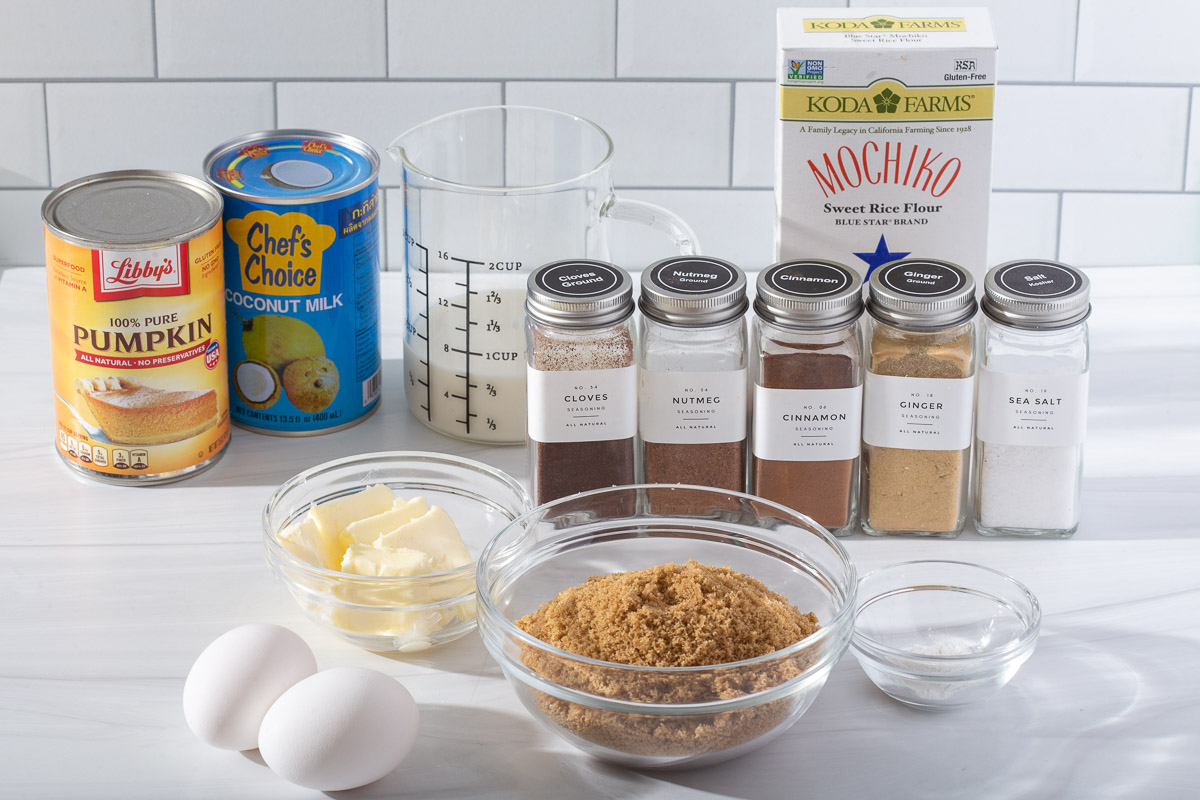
x,y
137,208
693,291
1036,294
290,167
579,293
809,294
921,293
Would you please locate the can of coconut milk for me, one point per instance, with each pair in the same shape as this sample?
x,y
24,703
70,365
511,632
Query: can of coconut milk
x,y
137,325
302,243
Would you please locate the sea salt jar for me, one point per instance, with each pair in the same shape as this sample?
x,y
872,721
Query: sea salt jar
x,y
692,380
1032,408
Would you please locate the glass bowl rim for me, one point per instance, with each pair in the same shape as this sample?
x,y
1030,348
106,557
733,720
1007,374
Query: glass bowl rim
x,y
278,552
873,648
489,613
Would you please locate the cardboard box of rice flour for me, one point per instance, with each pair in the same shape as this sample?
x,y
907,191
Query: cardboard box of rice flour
x,y
883,146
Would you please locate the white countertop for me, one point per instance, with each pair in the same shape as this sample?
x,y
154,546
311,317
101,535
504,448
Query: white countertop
x,y
118,589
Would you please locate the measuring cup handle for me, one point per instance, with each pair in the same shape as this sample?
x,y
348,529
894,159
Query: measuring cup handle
x,y
659,218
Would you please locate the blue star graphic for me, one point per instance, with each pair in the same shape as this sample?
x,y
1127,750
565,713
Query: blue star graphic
x,y
880,257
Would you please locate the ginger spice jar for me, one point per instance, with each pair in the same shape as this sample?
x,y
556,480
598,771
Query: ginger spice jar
x,y
918,399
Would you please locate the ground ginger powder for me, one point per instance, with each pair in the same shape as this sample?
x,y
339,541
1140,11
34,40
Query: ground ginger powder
x,y
671,615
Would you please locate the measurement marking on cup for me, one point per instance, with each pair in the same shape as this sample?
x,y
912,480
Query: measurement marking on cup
x,y
423,268
466,329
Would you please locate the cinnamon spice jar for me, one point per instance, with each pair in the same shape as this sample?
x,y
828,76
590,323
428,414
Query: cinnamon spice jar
x,y
808,390
692,374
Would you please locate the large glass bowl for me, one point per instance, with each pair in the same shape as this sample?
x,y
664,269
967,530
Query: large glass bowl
x,y
664,716
942,634
404,614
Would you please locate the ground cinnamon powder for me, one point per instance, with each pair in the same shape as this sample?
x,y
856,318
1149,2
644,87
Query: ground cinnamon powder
x,y
819,489
671,615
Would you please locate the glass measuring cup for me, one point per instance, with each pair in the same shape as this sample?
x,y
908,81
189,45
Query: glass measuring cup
x,y
490,194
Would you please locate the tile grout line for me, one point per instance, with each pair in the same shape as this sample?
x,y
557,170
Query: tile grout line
x,y
46,122
616,39
1058,229
154,35
275,103
1075,49
732,127
1187,140
387,55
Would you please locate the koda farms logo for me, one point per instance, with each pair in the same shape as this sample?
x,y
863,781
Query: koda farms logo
x,y
882,23
809,69
886,102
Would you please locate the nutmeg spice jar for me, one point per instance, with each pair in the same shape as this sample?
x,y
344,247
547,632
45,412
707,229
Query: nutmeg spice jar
x,y
692,375
582,379
808,390
918,399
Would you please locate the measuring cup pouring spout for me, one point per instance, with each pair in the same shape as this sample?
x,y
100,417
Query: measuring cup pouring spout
x,y
490,195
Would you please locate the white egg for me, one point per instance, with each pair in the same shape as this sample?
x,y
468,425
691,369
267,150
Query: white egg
x,y
237,678
341,728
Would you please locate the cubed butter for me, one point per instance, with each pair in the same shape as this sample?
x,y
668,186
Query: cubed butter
x,y
433,533
367,560
366,531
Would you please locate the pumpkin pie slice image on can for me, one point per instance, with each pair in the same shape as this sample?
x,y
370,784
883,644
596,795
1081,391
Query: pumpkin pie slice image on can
x,y
137,325
302,244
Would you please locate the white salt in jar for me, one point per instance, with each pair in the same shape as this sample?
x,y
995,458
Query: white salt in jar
x,y
1031,417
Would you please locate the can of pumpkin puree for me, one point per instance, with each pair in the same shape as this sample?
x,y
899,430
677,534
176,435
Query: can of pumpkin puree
x,y
301,279
137,325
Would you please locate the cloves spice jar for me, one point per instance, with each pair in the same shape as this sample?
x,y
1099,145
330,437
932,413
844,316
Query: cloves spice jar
x,y
1031,419
918,398
808,390
692,375
582,378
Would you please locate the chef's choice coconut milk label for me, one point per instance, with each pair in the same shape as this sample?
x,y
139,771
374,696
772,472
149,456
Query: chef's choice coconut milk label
x,y
138,349
884,136
302,279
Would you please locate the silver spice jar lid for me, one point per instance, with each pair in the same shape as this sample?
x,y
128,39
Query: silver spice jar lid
x,y
809,294
579,293
1036,294
921,293
693,291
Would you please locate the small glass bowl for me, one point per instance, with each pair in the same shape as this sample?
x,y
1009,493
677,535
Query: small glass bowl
x,y
943,634
617,712
404,614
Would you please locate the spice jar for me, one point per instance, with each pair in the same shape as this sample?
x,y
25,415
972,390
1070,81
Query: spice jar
x,y
918,398
1033,387
582,381
692,386
808,390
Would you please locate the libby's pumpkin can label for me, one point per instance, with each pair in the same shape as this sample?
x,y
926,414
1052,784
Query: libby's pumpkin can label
x,y
137,326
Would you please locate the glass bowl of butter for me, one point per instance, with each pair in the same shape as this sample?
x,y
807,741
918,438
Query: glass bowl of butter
x,y
381,547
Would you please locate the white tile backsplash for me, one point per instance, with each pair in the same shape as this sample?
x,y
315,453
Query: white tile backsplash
x,y
754,134
1036,37
1114,229
501,39
1151,41
1022,225
1106,128
210,114
735,225
699,38
377,111
23,135
270,39
21,241
76,39
1089,137
664,134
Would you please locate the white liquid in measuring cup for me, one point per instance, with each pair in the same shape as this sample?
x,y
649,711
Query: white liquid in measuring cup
x,y
464,355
